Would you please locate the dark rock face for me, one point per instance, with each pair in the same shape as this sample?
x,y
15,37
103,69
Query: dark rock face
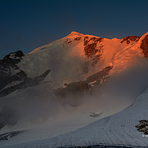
x,y
94,39
128,39
10,72
143,126
7,136
43,48
72,89
99,75
77,39
12,59
8,66
92,50
144,46
97,57
27,82
13,78
73,92
69,42
86,40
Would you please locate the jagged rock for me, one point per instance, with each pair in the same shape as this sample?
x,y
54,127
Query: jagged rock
x,y
11,73
77,39
95,39
143,126
91,50
41,77
72,88
144,46
12,58
73,91
128,39
99,75
80,87
26,82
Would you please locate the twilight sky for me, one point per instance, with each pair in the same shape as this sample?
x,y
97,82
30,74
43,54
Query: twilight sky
x,y
28,24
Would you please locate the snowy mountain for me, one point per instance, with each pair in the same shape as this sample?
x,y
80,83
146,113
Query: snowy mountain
x,y
75,55
61,87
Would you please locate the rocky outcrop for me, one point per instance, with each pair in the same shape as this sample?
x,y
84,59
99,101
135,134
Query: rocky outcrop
x,y
94,39
12,58
93,48
72,89
143,126
27,82
77,39
144,46
128,39
97,77
81,86
75,89
11,73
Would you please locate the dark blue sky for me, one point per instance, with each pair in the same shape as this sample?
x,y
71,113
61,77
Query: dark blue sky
x,y
28,24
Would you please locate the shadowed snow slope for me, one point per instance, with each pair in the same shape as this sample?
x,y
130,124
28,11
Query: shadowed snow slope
x,y
74,91
116,130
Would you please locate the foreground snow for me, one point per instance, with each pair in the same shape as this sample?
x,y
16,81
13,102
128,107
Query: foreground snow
x,y
118,129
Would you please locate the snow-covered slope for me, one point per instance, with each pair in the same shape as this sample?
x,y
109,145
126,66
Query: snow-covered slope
x,y
72,58
68,84
78,54
116,130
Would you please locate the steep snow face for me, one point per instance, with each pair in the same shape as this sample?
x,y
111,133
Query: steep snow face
x,y
79,55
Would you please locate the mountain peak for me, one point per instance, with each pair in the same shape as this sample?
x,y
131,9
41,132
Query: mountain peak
x,y
73,33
